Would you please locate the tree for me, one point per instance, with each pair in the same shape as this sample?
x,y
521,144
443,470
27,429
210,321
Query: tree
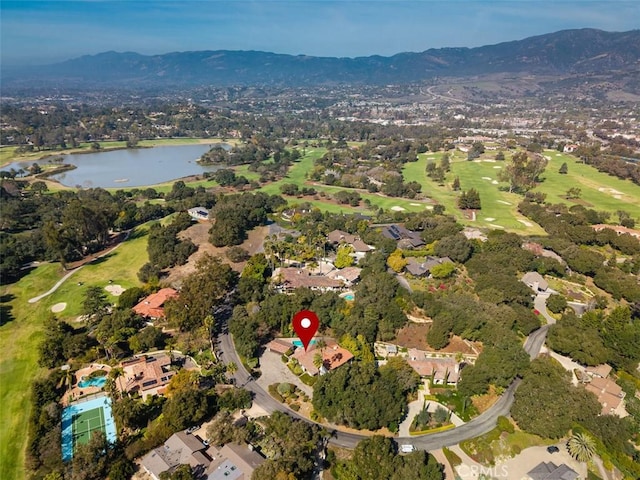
x,y
182,472
343,256
201,293
469,200
396,261
443,270
564,169
222,430
95,302
186,407
456,184
556,303
581,446
523,171
573,192
456,247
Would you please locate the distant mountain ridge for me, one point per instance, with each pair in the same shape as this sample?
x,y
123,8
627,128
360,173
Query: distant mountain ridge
x,y
564,52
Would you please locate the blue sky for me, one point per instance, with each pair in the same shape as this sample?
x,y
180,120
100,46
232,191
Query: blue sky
x,y
38,32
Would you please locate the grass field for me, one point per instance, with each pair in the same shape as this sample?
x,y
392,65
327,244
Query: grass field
x,y
21,332
499,207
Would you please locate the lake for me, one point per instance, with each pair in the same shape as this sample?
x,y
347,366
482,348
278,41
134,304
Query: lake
x,y
132,167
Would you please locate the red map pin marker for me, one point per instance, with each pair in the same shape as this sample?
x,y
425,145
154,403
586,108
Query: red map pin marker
x,y
306,324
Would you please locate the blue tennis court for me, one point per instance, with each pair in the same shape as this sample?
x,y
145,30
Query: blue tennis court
x,y
81,419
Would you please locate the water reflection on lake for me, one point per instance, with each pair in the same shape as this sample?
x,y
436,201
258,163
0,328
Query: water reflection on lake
x,y
130,168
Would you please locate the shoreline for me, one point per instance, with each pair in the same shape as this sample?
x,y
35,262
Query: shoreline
x,y
153,143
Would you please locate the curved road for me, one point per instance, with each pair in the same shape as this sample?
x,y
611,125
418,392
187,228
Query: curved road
x,y
478,426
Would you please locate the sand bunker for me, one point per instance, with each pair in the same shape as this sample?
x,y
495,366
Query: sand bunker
x,y
497,166
115,290
396,208
495,182
526,223
58,307
486,178
490,160
429,207
496,226
503,202
414,204
617,196
489,219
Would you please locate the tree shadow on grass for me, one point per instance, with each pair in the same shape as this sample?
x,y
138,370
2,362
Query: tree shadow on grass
x,y
6,314
103,259
137,233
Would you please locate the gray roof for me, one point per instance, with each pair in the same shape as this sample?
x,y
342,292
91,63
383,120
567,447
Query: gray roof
x,y
551,471
534,278
180,448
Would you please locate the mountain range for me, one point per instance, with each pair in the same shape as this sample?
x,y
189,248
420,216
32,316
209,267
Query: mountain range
x,y
583,51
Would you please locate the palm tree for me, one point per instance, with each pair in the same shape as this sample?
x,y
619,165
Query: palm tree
x,y
318,360
581,447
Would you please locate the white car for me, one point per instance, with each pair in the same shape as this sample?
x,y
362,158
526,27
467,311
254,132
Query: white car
x,y
407,448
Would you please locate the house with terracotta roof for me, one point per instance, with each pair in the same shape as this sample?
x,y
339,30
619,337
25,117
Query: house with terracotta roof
x,y
439,370
152,306
333,356
609,394
147,375
619,229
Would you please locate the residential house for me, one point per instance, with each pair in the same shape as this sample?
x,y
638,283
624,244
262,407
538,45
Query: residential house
x,y
180,449
439,370
292,278
360,248
406,239
609,394
147,375
231,462
279,346
152,306
618,229
333,356
551,471
572,147
601,371
348,275
535,281
423,269
199,213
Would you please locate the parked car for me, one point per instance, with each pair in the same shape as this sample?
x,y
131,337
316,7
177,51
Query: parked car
x,y
553,449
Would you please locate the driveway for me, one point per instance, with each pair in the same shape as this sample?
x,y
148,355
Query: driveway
x,y
518,466
540,303
274,371
416,406
568,364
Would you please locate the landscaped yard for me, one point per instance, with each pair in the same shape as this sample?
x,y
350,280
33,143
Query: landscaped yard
x,y
21,332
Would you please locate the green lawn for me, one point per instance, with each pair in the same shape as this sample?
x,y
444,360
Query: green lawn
x,y
499,207
599,190
21,334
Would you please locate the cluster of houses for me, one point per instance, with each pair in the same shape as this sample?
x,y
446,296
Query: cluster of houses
x,y
331,354
231,462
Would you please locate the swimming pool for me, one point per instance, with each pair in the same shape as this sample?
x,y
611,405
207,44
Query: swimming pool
x,y
92,382
349,296
298,343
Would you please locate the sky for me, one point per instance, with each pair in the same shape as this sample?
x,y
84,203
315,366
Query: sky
x,y
42,32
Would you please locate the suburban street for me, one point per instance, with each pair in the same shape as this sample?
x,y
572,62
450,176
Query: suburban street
x,y
478,426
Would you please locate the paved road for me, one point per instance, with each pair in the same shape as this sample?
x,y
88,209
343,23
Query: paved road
x,y
540,303
478,426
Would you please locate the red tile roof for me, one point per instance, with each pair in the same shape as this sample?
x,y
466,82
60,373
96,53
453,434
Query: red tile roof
x,y
151,306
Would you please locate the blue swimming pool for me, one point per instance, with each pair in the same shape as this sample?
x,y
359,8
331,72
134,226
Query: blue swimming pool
x,y
92,382
298,343
349,296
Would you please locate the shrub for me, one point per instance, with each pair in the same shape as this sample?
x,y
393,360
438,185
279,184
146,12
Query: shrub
x,y
295,407
273,391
